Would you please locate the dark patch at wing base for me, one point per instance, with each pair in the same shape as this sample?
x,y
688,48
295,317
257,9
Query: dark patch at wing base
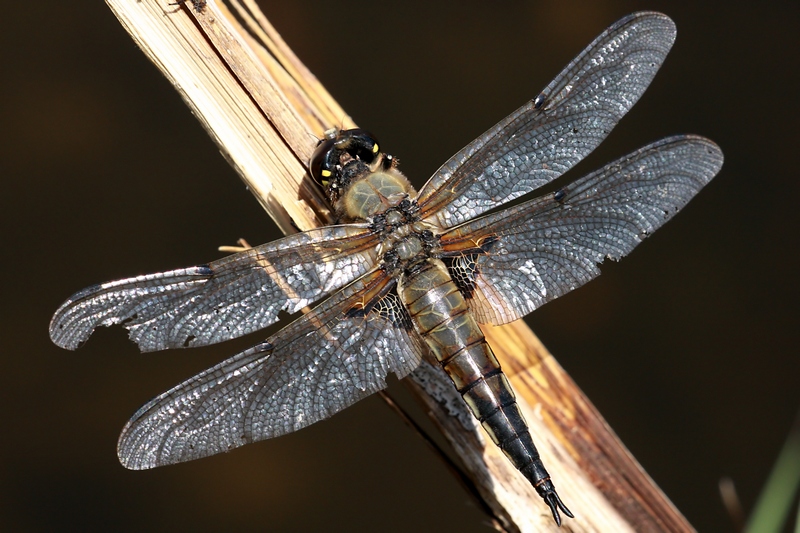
x,y
462,263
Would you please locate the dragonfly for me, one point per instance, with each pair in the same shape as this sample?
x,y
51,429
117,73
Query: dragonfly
x,y
405,278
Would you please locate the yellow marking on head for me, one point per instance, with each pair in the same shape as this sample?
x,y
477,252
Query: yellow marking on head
x,y
326,173
325,183
375,148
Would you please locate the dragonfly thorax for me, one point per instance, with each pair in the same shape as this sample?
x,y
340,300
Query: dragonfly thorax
x,y
404,247
372,194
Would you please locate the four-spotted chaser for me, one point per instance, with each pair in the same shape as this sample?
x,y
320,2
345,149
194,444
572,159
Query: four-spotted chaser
x,y
406,277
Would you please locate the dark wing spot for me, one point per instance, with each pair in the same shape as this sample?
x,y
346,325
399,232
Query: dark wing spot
x,y
463,267
463,270
356,312
391,309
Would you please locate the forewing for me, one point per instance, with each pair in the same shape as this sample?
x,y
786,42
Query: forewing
x,y
514,261
551,133
222,300
323,362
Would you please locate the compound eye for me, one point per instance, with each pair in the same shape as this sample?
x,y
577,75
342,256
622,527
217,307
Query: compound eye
x,y
360,144
320,165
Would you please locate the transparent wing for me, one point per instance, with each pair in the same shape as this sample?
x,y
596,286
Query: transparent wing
x,y
438,385
225,299
520,258
323,362
551,133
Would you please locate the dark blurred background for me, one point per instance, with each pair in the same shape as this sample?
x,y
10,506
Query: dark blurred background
x,y
688,347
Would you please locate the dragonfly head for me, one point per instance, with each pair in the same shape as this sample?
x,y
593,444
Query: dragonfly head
x,y
337,153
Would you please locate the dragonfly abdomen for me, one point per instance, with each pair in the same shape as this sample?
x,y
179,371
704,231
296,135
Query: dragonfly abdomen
x,y
442,317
